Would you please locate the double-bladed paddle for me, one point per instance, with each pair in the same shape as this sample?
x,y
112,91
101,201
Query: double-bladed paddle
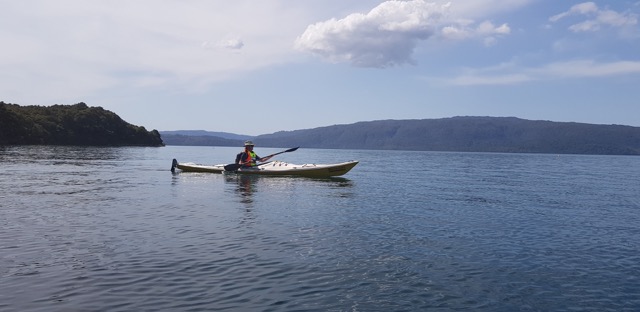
x,y
234,167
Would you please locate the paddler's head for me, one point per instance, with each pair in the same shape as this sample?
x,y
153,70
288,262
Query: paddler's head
x,y
248,145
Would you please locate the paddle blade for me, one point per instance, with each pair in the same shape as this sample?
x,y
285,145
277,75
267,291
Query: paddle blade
x,y
232,167
174,164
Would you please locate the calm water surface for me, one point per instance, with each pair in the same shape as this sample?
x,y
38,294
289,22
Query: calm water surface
x,y
112,229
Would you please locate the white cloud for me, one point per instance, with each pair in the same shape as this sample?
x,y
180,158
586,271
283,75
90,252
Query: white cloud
x,y
597,18
160,43
388,34
385,36
233,44
479,80
582,9
509,74
588,68
230,44
464,30
487,28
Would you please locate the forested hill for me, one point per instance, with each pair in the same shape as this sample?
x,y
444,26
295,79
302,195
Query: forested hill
x,y
70,125
467,134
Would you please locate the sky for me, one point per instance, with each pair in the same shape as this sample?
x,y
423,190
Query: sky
x,y
258,67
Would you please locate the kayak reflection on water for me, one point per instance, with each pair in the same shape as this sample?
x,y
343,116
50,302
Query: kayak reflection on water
x,y
245,186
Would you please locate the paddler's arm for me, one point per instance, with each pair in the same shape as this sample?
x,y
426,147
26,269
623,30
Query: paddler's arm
x,y
241,160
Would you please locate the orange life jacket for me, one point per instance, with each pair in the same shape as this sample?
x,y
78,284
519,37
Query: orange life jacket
x,y
248,158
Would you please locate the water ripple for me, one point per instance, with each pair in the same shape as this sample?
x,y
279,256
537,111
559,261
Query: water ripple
x,y
89,229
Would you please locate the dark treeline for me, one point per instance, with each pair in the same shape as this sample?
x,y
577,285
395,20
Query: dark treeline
x,y
70,125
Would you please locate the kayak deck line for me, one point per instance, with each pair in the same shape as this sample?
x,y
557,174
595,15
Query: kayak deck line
x,y
273,168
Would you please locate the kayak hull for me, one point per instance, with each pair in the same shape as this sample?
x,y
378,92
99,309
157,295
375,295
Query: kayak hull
x,y
274,168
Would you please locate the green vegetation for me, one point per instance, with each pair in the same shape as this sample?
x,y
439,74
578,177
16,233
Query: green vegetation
x,y
70,125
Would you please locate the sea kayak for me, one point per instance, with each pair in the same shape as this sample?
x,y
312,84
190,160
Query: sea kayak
x,y
274,168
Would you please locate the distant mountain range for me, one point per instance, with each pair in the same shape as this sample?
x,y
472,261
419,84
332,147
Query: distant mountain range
x,y
460,134
204,133
203,138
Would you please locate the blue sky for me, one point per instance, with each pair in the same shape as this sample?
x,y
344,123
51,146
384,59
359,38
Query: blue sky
x,y
257,67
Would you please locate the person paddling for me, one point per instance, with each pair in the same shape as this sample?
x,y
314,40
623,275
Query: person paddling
x,y
248,158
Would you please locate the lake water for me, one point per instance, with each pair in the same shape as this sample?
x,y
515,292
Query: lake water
x,y
112,229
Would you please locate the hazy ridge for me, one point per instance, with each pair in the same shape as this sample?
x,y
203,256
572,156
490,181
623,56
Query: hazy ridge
x,y
460,134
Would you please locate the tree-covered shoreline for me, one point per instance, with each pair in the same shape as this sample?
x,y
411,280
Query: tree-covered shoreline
x,y
76,124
